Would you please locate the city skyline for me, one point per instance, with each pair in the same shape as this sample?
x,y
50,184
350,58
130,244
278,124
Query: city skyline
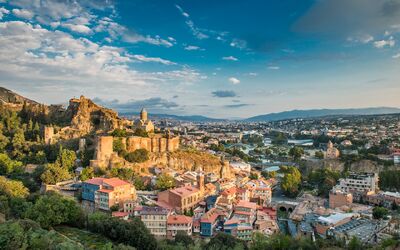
x,y
203,58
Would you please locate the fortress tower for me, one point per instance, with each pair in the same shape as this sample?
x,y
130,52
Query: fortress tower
x,y
143,115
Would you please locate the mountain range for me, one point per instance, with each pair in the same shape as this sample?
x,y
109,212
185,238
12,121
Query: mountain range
x,y
313,113
9,97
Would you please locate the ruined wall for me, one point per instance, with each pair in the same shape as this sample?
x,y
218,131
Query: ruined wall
x,y
103,153
155,144
48,135
336,164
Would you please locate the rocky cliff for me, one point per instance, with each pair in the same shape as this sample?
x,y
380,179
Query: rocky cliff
x,y
180,161
85,116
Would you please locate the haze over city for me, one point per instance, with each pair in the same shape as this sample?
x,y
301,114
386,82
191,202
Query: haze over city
x,y
207,58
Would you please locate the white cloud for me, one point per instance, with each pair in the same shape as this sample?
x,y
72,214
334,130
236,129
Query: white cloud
x,y
22,13
238,43
3,11
385,43
195,31
274,67
253,74
362,38
230,58
132,37
192,47
38,58
396,56
234,80
143,58
78,28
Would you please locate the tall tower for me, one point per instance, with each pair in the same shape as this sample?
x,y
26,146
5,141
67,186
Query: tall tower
x,y
200,182
143,115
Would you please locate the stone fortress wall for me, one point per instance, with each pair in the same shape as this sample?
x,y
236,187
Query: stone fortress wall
x,y
155,144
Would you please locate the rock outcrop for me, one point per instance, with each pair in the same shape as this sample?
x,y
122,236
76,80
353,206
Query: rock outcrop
x,y
86,116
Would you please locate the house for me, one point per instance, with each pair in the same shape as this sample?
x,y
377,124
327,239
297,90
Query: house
x,y
106,193
90,187
155,219
339,198
182,198
324,223
129,206
209,222
176,223
245,211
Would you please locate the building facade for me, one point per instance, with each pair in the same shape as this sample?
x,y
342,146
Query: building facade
x,y
155,219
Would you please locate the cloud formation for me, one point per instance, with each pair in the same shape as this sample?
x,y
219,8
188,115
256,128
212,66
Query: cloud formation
x,y
385,43
154,104
234,80
143,58
230,58
224,93
21,13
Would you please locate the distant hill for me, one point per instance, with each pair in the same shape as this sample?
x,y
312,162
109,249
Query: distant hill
x,y
188,118
9,97
321,112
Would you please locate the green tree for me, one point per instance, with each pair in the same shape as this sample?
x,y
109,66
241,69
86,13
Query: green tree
x,y
119,133
379,212
126,174
133,233
253,176
291,180
138,156
296,153
319,155
7,165
279,139
66,159
164,182
224,241
12,189
53,173
4,141
141,132
355,244
53,209
118,146
86,174
268,174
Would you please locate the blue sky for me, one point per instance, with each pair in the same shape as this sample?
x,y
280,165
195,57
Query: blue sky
x,y
215,58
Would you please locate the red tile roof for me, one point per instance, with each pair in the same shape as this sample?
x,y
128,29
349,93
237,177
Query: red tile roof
x,y
119,214
115,182
95,181
179,219
247,204
229,191
184,191
105,190
211,216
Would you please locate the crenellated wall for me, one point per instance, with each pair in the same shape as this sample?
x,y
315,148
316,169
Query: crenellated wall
x,y
156,144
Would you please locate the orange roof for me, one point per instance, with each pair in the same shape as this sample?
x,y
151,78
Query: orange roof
x,y
115,182
247,204
232,221
211,216
95,181
119,214
229,191
184,191
179,219
105,190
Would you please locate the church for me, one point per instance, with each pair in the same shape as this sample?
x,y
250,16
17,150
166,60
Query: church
x,y
144,123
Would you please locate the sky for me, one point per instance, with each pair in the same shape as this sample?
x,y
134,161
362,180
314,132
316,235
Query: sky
x,y
222,59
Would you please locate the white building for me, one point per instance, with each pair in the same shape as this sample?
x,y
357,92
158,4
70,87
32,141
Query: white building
x,y
363,183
